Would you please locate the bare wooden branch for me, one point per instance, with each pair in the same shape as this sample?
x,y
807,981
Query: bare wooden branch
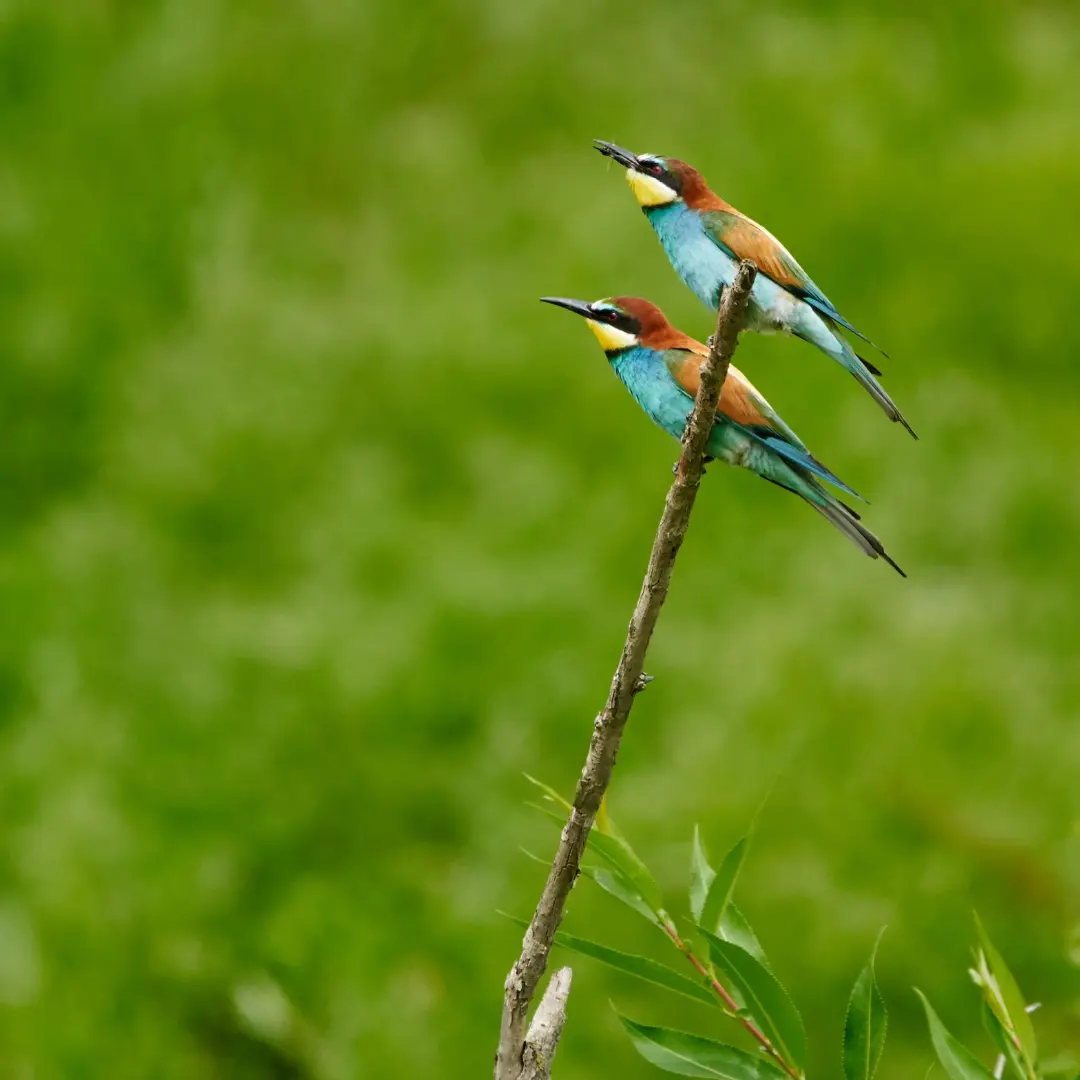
x,y
608,727
546,1028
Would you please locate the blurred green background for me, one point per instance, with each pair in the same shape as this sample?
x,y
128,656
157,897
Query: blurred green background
x,y
318,530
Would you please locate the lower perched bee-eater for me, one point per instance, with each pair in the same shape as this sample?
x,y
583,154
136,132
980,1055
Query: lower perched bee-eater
x,y
661,367
705,238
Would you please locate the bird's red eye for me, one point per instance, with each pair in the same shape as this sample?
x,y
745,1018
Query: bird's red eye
x,y
612,316
655,168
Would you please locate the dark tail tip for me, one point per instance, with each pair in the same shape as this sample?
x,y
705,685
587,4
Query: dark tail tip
x,y
874,547
885,555
869,367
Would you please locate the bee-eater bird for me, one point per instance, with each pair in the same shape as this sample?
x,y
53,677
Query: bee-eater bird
x,y
705,238
661,367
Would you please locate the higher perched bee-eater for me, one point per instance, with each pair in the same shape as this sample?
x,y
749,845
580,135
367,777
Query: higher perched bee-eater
x,y
661,367
706,237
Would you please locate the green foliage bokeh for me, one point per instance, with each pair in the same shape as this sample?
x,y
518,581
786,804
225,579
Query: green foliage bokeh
x,y
318,530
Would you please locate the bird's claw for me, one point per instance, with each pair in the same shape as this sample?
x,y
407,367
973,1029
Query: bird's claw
x,y
706,460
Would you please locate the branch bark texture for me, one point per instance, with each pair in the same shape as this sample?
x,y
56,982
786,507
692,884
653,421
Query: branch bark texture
x,y
608,727
546,1028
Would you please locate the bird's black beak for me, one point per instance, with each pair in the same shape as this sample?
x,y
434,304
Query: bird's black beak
x,y
578,307
617,153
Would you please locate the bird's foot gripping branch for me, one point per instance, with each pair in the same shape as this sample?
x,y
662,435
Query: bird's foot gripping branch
x,y
608,727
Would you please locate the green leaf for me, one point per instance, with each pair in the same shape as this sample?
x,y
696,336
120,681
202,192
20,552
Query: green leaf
x,y
615,884
620,856
956,1059
701,875
615,851
995,1030
1004,997
722,886
735,928
763,998
550,792
604,822
691,1055
641,967
864,1025
548,812
1004,1042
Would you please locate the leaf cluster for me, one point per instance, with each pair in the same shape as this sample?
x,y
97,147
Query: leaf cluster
x,y
729,970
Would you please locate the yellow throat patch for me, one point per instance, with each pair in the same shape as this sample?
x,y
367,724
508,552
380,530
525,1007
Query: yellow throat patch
x,y
648,190
611,338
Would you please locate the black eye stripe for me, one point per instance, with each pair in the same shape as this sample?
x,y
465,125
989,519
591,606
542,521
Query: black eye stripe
x,y
662,172
620,320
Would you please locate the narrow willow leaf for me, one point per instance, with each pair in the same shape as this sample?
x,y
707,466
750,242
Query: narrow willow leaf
x,y
604,823
612,848
864,1025
641,967
956,1059
550,792
722,886
620,856
735,928
701,875
1004,1041
1004,997
547,812
995,1030
616,885
692,1055
763,998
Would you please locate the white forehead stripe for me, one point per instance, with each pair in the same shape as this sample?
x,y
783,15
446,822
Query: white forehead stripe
x,y
611,337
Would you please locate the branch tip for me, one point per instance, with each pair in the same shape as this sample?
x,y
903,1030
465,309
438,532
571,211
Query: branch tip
x,y
546,1028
